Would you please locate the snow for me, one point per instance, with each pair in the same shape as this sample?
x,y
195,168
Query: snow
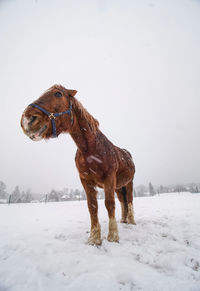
x,y
92,171
91,158
43,247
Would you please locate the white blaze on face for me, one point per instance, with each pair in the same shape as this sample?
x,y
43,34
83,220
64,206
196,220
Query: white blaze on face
x,y
25,122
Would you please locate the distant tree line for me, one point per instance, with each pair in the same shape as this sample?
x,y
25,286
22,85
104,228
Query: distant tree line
x,y
18,196
150,190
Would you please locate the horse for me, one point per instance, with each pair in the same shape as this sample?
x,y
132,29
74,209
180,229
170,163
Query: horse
x,y
99,162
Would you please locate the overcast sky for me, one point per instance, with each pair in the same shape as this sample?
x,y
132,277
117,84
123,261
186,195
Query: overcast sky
x,y
136,66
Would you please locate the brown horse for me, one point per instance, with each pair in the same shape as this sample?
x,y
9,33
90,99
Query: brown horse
x,y
99,162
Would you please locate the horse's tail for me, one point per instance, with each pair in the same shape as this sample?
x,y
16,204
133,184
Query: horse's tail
x,y
124,193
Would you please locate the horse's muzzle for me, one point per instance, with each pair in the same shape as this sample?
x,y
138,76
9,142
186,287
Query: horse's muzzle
x,y
28,128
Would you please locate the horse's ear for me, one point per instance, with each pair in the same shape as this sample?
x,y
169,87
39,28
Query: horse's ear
x,y
71,92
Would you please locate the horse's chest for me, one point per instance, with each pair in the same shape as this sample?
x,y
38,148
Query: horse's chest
x,y
90,166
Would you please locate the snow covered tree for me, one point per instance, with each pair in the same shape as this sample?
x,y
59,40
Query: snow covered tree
x,y
53,196
65,191
71,194
83,195
15,195
151,189
77,195
26,197
163,189
141,190
3,193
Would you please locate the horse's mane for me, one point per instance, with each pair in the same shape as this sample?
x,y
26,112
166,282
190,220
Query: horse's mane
x,y
80,110
83,113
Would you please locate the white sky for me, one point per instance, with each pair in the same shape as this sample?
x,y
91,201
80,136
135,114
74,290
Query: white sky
x,y
136,66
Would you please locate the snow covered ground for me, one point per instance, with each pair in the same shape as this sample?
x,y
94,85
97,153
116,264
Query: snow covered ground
x,y
43,247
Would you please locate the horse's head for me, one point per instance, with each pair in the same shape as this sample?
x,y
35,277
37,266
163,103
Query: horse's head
x,y
50,114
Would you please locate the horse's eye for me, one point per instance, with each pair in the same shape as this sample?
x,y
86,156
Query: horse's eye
x,y
58,94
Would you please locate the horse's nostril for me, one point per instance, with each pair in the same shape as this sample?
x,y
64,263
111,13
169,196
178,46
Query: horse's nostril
x,y
32,119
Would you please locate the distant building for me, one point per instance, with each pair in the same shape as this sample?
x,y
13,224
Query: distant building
x,y
65,197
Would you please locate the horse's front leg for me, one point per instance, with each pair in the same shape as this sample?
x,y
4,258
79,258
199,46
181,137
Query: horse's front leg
x,y
95,232
109,189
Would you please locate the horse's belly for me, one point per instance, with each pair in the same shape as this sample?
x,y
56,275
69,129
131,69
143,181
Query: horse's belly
x,y
123,178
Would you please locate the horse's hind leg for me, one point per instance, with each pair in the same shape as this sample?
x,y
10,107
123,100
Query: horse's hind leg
x,y
121,194
95,232
109,189
129,194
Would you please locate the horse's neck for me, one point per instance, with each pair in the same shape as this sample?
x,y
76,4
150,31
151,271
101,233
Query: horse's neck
x,y
82,134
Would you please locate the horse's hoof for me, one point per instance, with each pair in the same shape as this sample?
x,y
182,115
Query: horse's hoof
x,y
94,242
113,237
132,222
123,221
94,239
95,236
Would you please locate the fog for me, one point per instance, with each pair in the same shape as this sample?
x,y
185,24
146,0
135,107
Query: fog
x,y
136,67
